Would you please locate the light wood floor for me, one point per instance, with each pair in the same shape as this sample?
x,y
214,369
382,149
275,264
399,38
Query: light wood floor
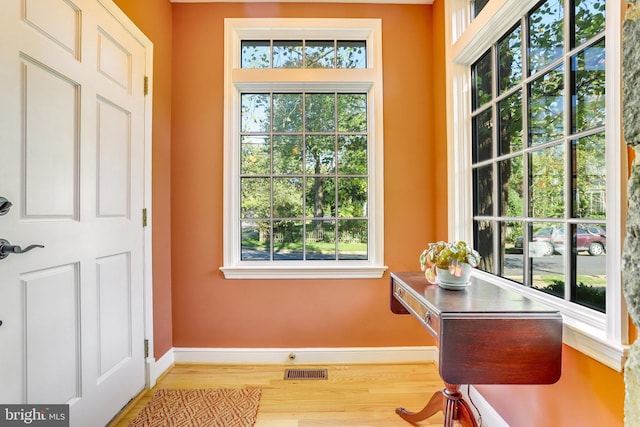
x,y
358,395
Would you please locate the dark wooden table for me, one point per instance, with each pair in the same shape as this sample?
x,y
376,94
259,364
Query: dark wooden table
x,y
485,334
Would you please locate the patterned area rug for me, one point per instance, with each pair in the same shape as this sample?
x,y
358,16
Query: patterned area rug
x,y
223,407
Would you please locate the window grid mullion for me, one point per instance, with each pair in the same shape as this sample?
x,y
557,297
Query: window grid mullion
x,y
568,182
569,258
495,134
336,173
271,182
524,85
304,176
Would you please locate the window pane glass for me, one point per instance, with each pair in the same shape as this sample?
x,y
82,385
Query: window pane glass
x,y
546,106
483,191
256,155
352,155
320,200
588,75
255,54
352,112
320,109
590,241
353,239
546,34
321,240
287,240
256,241
510,123
482,81
589,196
256,198
589,20
512,235
319,54
546,182
510,59
482,136
546,246
287,112
287,54
483,243
255,112
510,187
320,155
287,197
352,197
547,239
287,154
352,54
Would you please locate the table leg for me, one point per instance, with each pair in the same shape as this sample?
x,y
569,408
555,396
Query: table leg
x,y
456,408
450,401
434,405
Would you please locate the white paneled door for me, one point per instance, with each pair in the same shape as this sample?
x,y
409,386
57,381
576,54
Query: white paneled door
x,y
72,108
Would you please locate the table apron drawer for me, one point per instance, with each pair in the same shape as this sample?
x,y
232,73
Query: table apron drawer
x,y
428,317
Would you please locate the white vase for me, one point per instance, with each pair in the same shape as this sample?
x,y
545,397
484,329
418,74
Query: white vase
x,y
448,280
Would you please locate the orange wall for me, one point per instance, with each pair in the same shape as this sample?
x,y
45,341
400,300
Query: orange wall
x,y
209,311
153,17
588,394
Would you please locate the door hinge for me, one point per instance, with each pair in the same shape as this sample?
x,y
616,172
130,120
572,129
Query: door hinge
x,y
144,217
146,348
146,85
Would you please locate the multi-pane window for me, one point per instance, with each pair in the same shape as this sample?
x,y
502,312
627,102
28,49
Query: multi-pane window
x,y
304,176
303,148
538,152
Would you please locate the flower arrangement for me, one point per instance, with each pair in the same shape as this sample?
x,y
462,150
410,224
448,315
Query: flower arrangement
x,y
447,255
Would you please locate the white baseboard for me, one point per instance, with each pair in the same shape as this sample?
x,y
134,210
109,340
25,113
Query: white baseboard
x,y
307,355
155,368
490,418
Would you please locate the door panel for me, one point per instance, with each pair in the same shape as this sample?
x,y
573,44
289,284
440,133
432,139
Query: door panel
x,y
114,292
114,160
114,60
63,30
52,331
51,114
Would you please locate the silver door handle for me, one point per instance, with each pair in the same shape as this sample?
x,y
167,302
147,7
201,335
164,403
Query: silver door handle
x,y
5,205
6,248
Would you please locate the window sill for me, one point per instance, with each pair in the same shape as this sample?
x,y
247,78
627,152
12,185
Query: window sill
x,y
305,271
594,344
587,337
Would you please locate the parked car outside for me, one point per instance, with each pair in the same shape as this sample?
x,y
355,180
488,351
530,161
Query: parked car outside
x,y
591,238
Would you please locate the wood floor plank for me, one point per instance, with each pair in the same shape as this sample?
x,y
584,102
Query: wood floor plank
x,y
358,395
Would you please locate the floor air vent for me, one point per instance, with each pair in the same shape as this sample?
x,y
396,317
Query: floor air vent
x,y
305,374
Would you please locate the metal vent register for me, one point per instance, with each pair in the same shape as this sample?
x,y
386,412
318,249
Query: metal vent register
x,y
305,374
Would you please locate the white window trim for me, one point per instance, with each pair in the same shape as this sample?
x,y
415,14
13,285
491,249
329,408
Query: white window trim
x,y
237,80
602,337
